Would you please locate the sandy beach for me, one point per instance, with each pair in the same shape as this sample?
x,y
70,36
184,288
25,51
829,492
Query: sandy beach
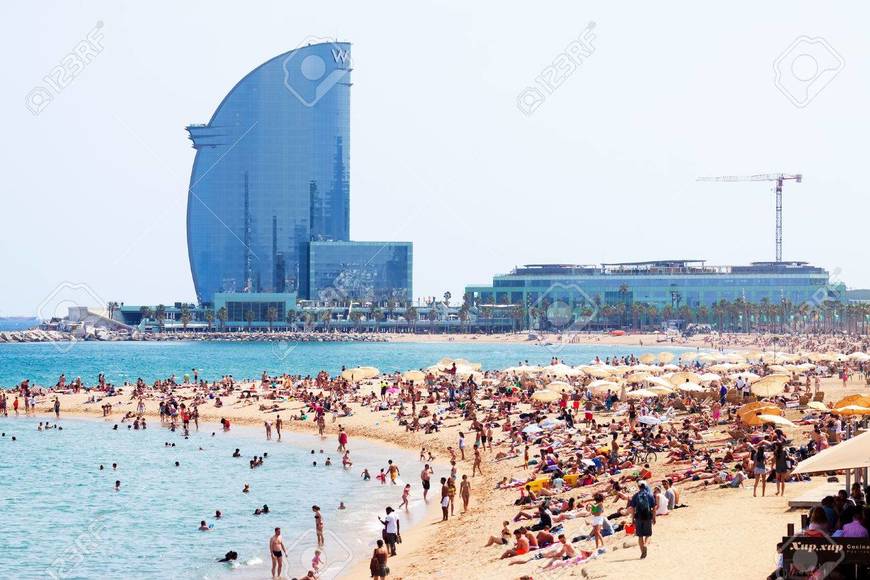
x,y
724,532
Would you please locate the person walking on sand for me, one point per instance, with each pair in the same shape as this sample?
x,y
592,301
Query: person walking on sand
x,y
445,499
56,408
318,524
462,444
477,460
378,564
425,476
465,492
278,552
644,516
759,469
278,423
392,533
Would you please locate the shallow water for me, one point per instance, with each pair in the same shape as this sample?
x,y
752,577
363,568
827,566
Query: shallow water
x,y
42,363
61,517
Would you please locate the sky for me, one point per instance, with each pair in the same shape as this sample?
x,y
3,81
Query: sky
x,y
632,102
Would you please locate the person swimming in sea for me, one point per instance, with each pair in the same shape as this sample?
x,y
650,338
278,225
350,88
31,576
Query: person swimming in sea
x,y
203,527
366,475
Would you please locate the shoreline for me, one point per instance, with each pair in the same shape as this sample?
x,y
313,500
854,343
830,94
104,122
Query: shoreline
x,y
415,536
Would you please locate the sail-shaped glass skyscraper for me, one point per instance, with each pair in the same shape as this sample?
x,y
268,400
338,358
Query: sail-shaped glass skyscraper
x,y
271,175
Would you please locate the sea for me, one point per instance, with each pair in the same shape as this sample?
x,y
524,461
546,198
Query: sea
x,y
60,516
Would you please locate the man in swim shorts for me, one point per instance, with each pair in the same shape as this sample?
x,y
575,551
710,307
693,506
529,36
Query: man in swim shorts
x,y
278,551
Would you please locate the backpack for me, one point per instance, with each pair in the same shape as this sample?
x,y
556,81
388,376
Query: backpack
x,y
642,509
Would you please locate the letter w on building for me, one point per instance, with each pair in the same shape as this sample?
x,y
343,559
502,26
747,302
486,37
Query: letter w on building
x,y
341,56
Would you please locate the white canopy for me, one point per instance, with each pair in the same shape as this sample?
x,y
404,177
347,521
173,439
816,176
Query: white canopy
x,y
850,454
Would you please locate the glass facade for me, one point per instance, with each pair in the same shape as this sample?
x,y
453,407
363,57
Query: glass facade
x,y
363,271
666,283
271,174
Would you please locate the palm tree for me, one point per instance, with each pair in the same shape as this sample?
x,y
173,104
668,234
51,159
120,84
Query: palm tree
x,y
463,318
432,316
186,317
271,316
249,318
223,316
209,317
145,313
325,316
447,297
411,315
160,315
112,307
377,316
292,316
356,316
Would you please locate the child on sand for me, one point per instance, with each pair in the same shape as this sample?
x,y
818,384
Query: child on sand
x,y
597,511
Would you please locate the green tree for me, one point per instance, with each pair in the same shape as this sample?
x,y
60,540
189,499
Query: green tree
x,y
186,316
209,317
160,315
145,312
411,315
249,318
271,316
223,316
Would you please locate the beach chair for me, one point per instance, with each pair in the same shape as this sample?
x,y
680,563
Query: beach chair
x,y
820,396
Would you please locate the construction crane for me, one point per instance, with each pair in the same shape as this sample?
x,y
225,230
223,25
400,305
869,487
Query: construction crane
x,y
779,178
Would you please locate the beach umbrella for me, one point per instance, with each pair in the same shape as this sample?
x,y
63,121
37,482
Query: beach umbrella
x,y
599,372
851,410
643,368
818,406
687,356
414,376
755,406
770,385
641,394
601,385
691,387
682,377
660,390
670,367
532,429
637,378
666,357
560,387
776,420
647,358
710,377
850,454
659,381
561,370
545,396
859,356
747,376
360,373
550,423
859,400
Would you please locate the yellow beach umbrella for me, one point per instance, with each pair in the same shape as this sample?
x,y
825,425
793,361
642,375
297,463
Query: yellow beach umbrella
x,y
660,390
647,358
360,373
666,357
858,400
818,406
602,385
637,378
851,410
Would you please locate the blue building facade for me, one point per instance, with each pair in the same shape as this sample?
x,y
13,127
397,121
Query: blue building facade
x,y
360,271
271,174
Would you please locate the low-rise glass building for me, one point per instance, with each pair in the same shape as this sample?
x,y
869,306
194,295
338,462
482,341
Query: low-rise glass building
x,y
660,283
360,271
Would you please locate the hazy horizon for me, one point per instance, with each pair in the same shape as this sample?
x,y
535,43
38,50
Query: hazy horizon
x,y
604,170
